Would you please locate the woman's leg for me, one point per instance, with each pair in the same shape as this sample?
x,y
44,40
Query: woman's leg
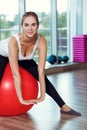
x,y
31,66
3,63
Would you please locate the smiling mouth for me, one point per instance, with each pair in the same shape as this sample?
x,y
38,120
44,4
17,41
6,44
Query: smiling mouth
x,y
30,33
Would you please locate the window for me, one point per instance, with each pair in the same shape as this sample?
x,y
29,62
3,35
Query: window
x,y
9,16
62,27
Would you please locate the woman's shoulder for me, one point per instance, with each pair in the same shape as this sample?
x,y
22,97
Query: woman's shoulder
x,y
14,39
42,39
16,35
42,42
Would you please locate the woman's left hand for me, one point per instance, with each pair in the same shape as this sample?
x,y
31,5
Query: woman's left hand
x,y
36,101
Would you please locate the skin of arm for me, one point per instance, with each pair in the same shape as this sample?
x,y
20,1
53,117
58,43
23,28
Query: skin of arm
x,y
42,53
13,61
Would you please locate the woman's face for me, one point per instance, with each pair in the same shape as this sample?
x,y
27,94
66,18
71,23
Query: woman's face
x,y
30,26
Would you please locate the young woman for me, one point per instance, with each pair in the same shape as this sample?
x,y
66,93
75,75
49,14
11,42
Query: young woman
x,y
19,50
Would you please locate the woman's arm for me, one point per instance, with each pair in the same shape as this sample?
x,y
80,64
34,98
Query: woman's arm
x,y
42,53
13,60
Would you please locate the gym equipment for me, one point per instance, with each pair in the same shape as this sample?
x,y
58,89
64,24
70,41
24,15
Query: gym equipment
x,y
60,59
9,103
65,59
52,59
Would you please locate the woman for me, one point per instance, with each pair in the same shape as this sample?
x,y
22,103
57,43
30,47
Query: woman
x,y
19,50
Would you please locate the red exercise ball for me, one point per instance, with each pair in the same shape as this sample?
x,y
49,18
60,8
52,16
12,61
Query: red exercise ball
x,y
9,103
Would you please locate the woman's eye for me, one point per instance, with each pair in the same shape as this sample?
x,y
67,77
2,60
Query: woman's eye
x,y
34,24
26,24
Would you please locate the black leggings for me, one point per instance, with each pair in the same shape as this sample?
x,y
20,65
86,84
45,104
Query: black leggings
x,y
31,67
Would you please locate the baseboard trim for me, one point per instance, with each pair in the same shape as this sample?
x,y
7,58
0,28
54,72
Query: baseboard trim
x,y
58,68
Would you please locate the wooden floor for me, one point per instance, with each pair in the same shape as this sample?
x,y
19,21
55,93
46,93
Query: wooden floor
x,y
72,86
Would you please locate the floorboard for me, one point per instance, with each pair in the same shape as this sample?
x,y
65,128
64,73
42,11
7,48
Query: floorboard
x,y
72,86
